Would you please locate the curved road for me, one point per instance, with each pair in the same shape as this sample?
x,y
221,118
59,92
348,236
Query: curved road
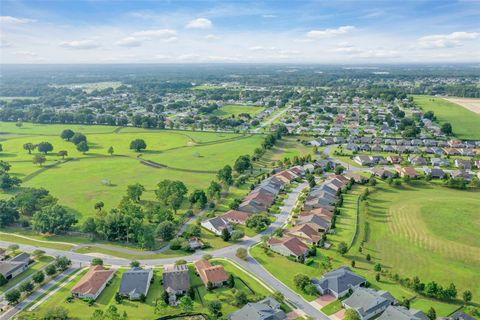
x,y
251,265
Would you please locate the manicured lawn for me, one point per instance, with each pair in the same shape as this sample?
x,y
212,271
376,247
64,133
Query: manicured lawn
x,y
34,242
33,268
137,310
288,147
236,109
465,123
332,307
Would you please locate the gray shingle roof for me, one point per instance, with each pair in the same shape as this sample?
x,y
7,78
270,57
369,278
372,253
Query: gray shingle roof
x,y
135,281
402,313
339,280
176,278
267,309
366,300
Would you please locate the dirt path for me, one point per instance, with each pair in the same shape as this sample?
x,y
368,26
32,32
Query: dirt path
x,y
472,104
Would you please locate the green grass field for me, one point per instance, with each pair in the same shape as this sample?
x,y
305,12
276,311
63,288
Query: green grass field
x,y
432,230
136,310
192,157
465,123
399,239
236,109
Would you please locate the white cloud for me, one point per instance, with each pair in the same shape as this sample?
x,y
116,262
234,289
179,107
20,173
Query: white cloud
x,y
14,20
26,53
189,57
212,37
157,33
200,23
80,44
269,16
454,39
129,42
328,33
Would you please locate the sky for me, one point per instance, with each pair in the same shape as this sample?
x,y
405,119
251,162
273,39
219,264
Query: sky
x,y
242,31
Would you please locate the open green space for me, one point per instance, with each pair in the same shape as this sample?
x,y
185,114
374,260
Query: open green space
x,y
465,123
39,264
79,309
332,308
83,179
397,237
235,110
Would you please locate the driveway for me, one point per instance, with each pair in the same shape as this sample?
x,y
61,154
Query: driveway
x,y
340,315
324,300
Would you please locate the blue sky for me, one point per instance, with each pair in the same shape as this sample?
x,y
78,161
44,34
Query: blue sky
x,y
101,31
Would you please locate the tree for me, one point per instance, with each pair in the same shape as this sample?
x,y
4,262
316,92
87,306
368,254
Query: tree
x,y
78,137
226,234
353,263
56,313
29,147
67,134
83,147
377,277
134,191
26,286
242,164
50,270
342,248
118,298
215,308
447,128
134,264
242,253
377,267
198,198
96,262
3,280
171,193
186,304
432,314
451,291
45,147
231,281
301,281
8,213
39,159
225,176
62,153
110,151
166,230
467,296
12,296
277,295
53,219
240,298
38,277
237,235
138,145
369,257
214,190
62,263
99,205
351,314
258,222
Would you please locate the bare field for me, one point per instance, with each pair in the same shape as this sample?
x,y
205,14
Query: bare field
x,y
472,104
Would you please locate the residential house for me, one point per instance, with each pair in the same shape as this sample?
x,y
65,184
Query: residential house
x,y
363,160
451,151
257,201
408,171
237,217
338,282
266,309
305,232
439,162
136,283
216,275
368,302
457,174
216,225
289,246
402,313
463,164
459,315
176,281
383,173
417,161
3,254
93,283
435,173
15,266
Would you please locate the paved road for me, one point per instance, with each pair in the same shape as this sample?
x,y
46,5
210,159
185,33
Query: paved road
x,y
23,304
251,265
272,119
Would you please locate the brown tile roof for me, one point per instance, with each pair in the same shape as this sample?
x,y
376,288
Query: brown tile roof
x,y
237,215
93,281
322,212
307,231
209,273
339,177
296,246
260,196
